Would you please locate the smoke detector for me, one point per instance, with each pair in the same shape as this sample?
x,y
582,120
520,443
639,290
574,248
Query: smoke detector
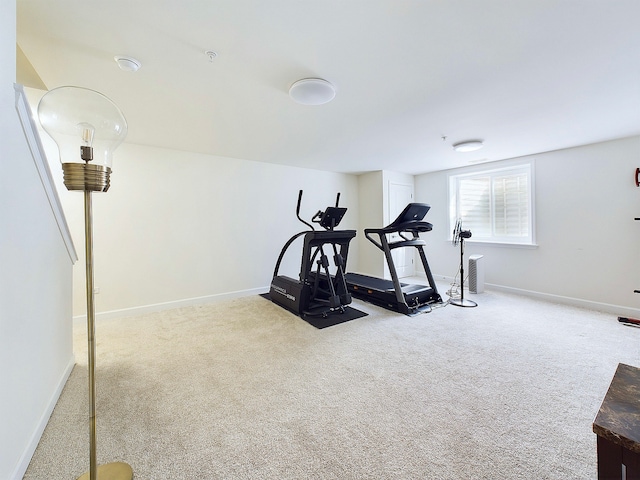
x,y
127,64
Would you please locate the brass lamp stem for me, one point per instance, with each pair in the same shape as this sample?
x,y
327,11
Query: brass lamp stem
x,y
92,178
91,332
115,470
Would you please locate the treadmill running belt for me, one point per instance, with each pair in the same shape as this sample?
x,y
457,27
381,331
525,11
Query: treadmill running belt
x,y
416,298
373,283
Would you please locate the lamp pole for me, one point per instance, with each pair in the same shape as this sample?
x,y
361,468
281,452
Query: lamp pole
x,y
91,333
116,470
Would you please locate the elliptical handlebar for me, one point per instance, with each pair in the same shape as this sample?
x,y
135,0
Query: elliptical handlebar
x,y
299,203
329,219
298,211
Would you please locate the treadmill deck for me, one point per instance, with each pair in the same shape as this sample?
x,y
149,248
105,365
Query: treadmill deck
x,y
383,285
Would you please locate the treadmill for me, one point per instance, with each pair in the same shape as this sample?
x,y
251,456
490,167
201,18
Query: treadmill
x,y
405,298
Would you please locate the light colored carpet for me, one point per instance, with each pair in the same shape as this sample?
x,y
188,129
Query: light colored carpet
x,y
245,390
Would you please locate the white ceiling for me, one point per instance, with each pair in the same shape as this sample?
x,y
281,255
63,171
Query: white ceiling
x,y
525,76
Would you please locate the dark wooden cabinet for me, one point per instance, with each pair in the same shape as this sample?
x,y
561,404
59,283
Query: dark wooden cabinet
x,y
617,426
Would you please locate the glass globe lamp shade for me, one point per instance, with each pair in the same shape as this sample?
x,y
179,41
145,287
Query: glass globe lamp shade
x,y
87,127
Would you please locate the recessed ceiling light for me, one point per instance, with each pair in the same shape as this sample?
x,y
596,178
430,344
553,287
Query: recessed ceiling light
x,y
468,146
127,64
312,91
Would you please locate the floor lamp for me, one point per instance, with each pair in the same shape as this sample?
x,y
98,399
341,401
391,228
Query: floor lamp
x,y
87,127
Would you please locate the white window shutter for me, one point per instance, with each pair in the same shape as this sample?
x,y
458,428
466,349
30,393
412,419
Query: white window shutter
x,y
496,205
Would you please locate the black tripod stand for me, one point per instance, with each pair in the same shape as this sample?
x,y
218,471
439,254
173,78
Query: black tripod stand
x,y
459,236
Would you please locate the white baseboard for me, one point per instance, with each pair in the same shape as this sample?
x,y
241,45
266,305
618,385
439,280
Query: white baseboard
x,y
188,302
23,464
549,297
575,302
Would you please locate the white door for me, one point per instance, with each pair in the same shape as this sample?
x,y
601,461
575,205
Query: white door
x,y
400,196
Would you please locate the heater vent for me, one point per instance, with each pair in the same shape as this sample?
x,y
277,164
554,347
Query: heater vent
x,y
476,274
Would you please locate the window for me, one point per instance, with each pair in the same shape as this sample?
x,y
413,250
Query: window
x,y
496,205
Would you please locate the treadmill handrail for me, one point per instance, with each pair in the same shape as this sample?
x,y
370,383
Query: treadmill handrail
x,y
372,240
403,227
405,242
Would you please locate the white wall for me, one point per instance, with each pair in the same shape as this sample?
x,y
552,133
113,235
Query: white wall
x,y
35,284
179,228
588,241
373,198
371,207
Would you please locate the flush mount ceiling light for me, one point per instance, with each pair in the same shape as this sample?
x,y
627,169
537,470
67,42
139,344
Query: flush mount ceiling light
x,y
127,64
468,146
312,91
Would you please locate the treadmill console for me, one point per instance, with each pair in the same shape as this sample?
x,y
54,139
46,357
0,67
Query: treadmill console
x,y
414,212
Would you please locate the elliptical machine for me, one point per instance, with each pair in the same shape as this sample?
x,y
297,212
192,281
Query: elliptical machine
x,y
316,292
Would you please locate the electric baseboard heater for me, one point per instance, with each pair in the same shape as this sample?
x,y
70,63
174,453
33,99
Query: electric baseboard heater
x,y
476,274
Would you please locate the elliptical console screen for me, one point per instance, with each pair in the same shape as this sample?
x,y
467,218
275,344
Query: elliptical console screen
x,y
332,216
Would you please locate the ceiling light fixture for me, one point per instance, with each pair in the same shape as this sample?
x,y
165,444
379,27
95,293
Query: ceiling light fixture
x,y
312,91
127,64
468,146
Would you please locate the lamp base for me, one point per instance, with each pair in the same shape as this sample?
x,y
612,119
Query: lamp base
x,y
462,302
112,471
